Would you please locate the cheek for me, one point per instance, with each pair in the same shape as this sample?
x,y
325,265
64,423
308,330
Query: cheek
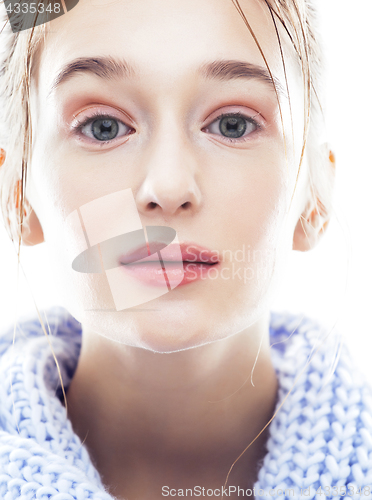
x,y
256,221
253,195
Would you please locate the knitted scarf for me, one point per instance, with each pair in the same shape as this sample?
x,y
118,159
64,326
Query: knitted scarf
x,y
319,443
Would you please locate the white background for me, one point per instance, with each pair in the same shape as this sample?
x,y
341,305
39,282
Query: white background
x,y
333,282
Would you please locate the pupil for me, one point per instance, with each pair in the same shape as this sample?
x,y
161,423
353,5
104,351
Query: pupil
x,y
105,129
233,126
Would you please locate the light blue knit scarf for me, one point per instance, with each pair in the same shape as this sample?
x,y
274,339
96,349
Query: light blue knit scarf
x,y
319,441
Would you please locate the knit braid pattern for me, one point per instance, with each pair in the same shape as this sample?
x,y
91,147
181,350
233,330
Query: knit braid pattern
x,y
320,437
40,455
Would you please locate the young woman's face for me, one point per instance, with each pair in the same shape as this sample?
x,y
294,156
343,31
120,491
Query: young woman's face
x,y
172,104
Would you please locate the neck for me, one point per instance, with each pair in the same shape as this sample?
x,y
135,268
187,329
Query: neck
x,y
125,401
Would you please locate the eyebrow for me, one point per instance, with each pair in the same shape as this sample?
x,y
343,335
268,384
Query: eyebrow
x,y
103,67
224,70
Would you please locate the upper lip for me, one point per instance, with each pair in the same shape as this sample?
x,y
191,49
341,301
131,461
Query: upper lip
x,y
190,252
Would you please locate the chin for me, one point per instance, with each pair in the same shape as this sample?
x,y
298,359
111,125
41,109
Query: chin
x,y
174,322
166,330
150,329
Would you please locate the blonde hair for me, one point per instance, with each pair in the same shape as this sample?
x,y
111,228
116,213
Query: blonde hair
x,y
18,58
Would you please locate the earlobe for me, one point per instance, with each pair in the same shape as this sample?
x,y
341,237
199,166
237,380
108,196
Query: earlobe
x,y
314,221
309,230
32,232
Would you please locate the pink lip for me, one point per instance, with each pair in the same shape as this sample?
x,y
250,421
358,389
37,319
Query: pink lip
x,y
191,252
195,265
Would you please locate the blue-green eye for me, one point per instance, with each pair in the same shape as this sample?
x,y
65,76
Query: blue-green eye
x,y
103,128
233,125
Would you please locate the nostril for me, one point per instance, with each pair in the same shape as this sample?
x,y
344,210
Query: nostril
x,y
186,204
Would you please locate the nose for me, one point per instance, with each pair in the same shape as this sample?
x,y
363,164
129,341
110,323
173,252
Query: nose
x,y
170,185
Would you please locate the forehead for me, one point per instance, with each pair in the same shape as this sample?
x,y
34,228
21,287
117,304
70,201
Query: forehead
x,y
163,37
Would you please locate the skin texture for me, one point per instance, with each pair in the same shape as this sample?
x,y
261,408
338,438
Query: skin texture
x,y
162,394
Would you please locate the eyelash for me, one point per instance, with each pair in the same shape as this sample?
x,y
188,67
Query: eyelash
x,y
240,115
77,129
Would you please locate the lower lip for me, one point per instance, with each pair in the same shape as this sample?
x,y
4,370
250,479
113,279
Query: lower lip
x,y
150,273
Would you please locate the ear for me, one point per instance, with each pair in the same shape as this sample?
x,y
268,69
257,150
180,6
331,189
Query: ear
x,y
314,220
32,232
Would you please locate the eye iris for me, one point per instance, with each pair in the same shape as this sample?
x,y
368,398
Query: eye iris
x,y
105,129
233,126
